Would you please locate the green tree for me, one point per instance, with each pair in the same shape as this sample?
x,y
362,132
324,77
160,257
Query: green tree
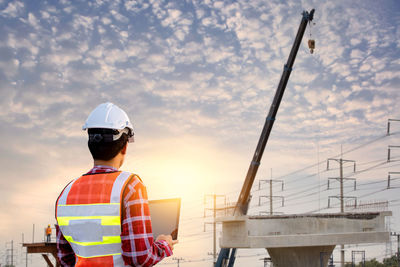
x,y
390,262
373,263
387,262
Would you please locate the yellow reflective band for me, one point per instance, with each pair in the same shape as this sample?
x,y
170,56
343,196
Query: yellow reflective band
x,y
115,254
105,220
91,204
106,240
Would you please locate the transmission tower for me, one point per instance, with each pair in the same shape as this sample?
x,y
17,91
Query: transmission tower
x,y
341,179
389,185
388,124
390,148
271,196
178,260
353,257
390,175
341,162
388,244
398,247
214,209
10,253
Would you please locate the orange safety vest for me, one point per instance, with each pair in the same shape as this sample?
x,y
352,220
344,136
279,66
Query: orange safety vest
x,y
48,231
88,212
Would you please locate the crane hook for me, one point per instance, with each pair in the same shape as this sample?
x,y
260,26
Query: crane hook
x,y
311,42
311,45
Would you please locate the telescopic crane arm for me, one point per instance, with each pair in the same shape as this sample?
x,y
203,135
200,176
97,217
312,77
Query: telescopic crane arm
x,y
244,197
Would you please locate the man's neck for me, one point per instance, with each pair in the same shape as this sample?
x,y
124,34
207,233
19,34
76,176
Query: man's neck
x,y
110,163
115,162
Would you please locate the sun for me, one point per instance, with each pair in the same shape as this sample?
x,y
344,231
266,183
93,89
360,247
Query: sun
x,y
188,167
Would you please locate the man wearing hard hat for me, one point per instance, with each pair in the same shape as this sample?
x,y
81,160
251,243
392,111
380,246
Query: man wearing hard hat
x,y
48,234
103,216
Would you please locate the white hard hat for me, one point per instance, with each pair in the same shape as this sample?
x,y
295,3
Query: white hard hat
x,y
109,116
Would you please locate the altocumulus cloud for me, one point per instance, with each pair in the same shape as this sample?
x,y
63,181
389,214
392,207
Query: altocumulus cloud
x,y
206,68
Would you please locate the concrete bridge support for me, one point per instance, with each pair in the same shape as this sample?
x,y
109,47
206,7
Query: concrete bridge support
x,y
303,240
316,256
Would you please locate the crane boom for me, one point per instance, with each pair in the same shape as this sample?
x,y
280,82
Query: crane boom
x,y
244,197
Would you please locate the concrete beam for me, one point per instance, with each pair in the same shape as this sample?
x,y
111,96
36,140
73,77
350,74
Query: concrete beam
x,y
317,240
303,230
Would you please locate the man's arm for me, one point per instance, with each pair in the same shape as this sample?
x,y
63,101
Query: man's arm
x,y
138,245
65,254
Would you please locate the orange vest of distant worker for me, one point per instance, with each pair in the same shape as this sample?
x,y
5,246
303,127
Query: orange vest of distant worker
x,y
48,231
88,212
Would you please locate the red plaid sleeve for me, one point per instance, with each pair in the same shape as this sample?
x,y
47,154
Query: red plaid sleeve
x,y
138,245
65,253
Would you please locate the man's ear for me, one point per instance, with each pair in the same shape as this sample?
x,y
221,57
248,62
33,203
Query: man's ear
x,y
123,150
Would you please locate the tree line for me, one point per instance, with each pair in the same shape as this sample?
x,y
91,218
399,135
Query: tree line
x,y
387,262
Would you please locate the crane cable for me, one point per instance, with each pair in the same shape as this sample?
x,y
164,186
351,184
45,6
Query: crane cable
x,y
311,41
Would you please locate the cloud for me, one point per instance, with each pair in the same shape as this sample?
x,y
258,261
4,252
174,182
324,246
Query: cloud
x,y
13,9
9,68
119,17
199,74
380,77
83,22
177,21
124,34
157,9
106,21
33,21
357,54
136,6
45,14
155,63
62,58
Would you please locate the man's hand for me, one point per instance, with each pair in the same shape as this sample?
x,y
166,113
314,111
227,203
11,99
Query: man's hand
x,y
169,240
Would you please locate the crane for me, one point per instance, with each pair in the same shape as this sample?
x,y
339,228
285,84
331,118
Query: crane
x,y
244,196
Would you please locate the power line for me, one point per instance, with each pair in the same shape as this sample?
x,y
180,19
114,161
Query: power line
x,y
322,162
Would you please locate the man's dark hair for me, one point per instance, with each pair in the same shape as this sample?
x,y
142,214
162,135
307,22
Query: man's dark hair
x,y
101,144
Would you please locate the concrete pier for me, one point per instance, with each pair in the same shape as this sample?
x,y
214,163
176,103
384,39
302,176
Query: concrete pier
x,y
303,239
301,256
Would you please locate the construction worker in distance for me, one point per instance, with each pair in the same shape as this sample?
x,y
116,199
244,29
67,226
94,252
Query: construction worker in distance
x,y
103,216
48,234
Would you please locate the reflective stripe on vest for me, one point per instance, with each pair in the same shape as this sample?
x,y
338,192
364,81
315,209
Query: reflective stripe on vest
x,y
93,230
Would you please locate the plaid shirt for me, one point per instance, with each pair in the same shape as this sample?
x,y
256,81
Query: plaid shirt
x,y
138,246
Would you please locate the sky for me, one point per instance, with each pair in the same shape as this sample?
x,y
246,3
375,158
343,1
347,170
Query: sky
x,y
197,79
